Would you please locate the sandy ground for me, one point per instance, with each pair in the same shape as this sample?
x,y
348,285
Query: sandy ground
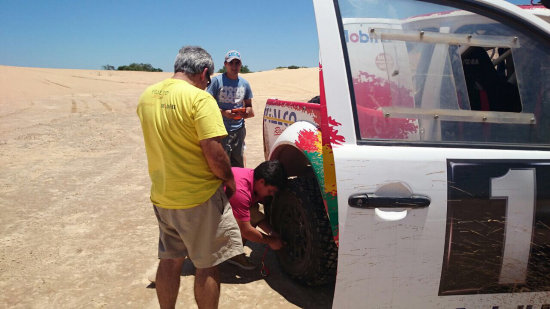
x,y
76,226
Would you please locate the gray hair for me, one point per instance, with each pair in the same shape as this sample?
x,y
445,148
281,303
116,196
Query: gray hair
x,y
193,60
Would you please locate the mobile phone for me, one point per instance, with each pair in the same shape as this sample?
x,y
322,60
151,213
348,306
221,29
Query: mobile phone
x,y
238,110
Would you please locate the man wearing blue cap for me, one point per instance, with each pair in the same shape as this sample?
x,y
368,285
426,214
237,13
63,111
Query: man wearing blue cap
x,y
234,98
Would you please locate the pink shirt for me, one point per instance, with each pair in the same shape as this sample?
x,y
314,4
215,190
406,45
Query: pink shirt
x,y
244,194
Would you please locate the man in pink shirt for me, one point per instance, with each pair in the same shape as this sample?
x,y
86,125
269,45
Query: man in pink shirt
x,y
252,187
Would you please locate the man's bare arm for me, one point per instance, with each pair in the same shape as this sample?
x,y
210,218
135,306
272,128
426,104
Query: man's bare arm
x,y
218,161
251,233
248,106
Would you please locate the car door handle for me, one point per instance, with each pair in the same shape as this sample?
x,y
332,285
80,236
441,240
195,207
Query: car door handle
x,y
371,201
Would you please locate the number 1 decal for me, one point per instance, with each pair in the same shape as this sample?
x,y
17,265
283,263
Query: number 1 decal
x,y
497,237
518,187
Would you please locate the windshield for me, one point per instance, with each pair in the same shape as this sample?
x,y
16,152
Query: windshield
x,y
423,72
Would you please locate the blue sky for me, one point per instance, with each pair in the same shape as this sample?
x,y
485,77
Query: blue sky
x,y
86,34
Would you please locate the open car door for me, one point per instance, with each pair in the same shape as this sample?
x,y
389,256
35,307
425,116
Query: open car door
x,y
443,175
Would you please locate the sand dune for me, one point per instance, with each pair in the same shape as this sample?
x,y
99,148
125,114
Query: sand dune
x,y
77,229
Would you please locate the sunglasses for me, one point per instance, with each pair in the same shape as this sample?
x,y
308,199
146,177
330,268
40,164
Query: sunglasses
x,y
208,80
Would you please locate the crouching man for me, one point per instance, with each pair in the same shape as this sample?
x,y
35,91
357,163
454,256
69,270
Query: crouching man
x,y
252,187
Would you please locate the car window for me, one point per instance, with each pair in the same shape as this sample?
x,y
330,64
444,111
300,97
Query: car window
x,y
423,72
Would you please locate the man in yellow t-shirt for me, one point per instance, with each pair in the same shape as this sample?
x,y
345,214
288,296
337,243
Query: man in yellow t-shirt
x,y
182,129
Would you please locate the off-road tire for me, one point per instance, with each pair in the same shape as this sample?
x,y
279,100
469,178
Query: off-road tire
x,y
298,215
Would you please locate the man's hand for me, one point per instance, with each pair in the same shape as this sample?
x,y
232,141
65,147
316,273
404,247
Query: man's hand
x,y
240,113
228,113
251,233
275,242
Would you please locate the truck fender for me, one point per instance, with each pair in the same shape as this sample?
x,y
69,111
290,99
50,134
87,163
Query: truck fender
x,y
290,151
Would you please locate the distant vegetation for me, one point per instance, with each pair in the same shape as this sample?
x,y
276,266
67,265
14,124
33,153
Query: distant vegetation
x,y
291,67
133,67
244,69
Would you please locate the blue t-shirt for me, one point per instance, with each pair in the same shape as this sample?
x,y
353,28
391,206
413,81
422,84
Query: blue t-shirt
x,y
230,94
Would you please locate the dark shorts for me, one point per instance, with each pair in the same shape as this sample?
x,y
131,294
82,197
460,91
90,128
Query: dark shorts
x,y
233,144
208,234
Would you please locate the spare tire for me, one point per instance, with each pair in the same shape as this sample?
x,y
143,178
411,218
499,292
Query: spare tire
x,y
298,215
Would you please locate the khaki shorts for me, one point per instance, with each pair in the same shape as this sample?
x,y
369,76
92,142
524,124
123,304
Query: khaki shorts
x,y
208,234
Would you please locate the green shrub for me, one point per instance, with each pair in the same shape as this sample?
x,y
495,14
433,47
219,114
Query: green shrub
x,y
290,67
139,67
244,69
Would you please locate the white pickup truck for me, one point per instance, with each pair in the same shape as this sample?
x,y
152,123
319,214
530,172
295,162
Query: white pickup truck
x,y
421,178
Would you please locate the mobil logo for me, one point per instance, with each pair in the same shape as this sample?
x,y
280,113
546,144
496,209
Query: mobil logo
x,y
358,37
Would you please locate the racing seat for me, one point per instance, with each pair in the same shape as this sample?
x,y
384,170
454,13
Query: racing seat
x,y
487,89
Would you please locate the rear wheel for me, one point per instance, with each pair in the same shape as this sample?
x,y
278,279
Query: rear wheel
x,y
298,215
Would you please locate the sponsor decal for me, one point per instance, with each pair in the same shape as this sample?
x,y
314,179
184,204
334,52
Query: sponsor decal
x,y
279,117
358,37
498,227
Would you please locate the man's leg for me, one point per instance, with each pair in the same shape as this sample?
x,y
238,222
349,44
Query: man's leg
x,y
207,287
168,281
237,151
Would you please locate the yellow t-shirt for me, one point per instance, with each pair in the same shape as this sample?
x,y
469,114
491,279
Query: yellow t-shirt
x,y
175,116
